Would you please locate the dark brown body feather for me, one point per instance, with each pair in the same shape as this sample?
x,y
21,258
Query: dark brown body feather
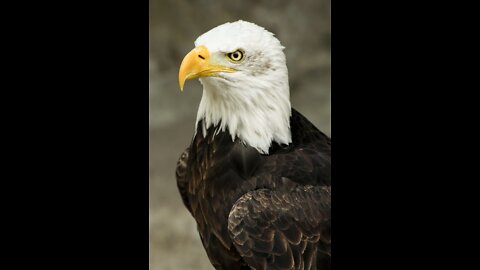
x,y
260,211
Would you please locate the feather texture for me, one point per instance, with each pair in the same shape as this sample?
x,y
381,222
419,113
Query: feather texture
x,y
262,211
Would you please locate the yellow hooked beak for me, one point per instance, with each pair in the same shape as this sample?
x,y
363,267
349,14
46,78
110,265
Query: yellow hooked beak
x,y
197,63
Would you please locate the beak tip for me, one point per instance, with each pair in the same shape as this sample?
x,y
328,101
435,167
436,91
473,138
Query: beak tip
x,y
181,84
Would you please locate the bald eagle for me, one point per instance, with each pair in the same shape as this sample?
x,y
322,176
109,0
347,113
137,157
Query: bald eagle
x,y
256,176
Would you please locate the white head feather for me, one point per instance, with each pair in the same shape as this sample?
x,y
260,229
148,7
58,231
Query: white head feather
x,y
253,103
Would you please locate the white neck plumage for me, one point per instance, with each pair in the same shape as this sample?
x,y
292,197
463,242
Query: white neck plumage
x,y
255,110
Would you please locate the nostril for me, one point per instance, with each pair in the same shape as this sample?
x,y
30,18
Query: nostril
x,y
201,57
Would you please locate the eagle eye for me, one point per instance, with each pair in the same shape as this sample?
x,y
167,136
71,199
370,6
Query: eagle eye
x,y
235,56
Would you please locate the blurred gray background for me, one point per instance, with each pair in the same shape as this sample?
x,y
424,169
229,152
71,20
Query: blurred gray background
x,y
303,27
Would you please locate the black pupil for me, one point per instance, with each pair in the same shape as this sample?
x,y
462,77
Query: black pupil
x,y
236,55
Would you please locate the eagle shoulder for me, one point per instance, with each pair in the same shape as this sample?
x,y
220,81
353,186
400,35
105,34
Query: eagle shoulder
x,y
282,230
181,175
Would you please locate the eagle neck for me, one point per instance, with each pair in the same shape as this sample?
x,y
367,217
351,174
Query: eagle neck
x,y
255,116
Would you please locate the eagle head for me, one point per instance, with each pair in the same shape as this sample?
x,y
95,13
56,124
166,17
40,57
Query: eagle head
x,y
244,75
